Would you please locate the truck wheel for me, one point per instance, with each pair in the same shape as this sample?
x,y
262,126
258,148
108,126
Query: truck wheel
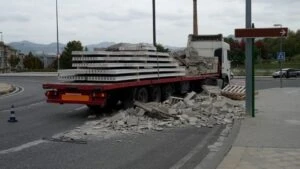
x,y
142,95
225,82
94,108
155,94
128,97
167,91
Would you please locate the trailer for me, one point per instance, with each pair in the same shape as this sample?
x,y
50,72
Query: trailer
x,y
107,78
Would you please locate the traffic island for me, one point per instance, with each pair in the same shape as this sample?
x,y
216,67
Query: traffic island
x,y
6,88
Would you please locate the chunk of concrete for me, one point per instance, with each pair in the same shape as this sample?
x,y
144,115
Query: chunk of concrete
x,y
190,96
193,120
117,117
172,111
132,121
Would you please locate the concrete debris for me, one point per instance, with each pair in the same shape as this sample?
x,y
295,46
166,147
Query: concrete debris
x,y
212,90
200,110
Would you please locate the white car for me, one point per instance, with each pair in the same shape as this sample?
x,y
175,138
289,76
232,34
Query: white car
x,y
286,73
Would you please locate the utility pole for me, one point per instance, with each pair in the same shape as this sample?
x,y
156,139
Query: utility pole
x,y
154,22
195,18
57,39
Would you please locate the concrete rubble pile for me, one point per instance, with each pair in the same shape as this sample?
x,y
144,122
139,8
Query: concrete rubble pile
x,y
195,65
200,110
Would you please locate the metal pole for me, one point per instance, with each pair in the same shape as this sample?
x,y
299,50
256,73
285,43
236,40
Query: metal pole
x,y
2,51
249,62
154,22
57,40
280,61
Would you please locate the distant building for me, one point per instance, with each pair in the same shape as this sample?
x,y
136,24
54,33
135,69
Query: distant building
x,y
46,58
6,52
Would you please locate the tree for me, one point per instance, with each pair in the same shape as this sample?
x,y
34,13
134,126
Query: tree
x,y
161,48
32,62
13,61
237,51
66,57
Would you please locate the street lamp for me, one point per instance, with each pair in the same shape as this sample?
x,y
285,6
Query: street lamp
x,y
280,60
57,39
2,51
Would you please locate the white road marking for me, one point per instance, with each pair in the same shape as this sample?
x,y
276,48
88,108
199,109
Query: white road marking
x,y
22,147
80,108
36,104
25,107
293,122
194,151
16,92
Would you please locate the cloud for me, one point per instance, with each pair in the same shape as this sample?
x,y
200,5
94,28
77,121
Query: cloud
x,y
93,21
14,18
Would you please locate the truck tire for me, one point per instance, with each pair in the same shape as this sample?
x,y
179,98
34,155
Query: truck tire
x,y
225,82
167,91
155,94
142,95
94,108
128,97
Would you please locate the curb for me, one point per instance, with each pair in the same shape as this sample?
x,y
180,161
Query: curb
x,y
213,159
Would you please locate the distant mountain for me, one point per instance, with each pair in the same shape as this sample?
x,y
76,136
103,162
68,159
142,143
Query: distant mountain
x,y
26,47
100,45
50,49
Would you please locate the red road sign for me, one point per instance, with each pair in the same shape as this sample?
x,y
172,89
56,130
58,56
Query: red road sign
x,y
261,32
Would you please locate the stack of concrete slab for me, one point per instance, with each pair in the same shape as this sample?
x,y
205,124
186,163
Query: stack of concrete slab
x,y
121,64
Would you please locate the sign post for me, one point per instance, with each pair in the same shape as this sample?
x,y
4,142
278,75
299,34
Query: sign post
x,y
249,62
250,33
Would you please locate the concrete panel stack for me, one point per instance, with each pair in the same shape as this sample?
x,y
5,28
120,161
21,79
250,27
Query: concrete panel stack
x,y
121,62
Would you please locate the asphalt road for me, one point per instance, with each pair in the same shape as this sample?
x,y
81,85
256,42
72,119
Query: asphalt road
x,y
21,144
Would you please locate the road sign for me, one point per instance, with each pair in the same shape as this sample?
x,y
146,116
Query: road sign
x,y
281,56
261,32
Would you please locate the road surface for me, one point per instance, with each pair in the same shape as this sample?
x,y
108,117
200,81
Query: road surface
x,y
22,146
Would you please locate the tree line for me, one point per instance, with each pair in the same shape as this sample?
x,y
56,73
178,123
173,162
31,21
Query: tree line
x,y
265,50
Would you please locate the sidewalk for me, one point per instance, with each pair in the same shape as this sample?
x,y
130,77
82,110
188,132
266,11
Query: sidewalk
x,y
272,139
5,88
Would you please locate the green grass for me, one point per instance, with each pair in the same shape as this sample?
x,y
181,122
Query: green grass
x,y
266,69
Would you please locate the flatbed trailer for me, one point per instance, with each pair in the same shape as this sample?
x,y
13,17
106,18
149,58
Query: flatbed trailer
x,y
109,94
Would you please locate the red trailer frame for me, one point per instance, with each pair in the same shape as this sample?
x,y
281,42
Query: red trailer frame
x,y
98,93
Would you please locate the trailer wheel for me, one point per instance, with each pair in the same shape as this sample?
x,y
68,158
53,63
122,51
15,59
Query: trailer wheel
x,y
128,97
94,108
155,94
142,95
167,91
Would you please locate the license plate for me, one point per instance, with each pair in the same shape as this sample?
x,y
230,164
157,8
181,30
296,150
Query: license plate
x,y
74,97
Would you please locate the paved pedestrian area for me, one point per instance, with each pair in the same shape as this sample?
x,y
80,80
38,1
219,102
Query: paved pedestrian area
x,y
261,158
271,140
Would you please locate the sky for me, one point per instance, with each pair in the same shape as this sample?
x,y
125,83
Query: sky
x,y
94,21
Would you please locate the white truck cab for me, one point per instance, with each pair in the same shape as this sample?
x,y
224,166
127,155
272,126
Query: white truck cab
x,y
210,46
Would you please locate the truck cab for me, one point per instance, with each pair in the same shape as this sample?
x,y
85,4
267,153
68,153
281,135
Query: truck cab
x,y
210,46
